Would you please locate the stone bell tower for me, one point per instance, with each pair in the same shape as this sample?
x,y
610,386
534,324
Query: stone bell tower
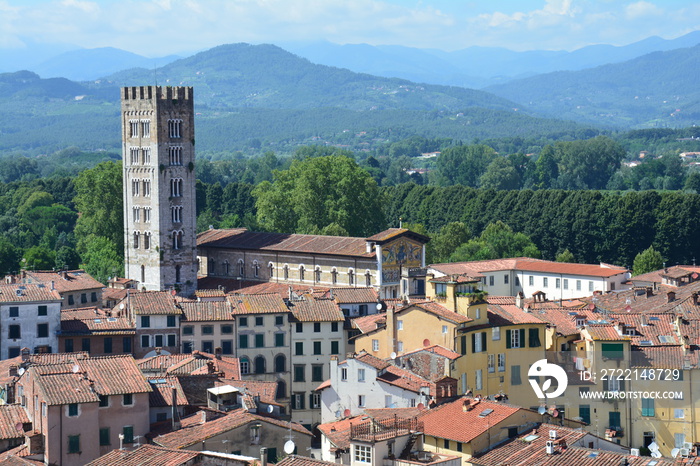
x,y
160,249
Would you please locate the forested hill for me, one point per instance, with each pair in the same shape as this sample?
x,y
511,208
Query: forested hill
x,y
244,75
657,89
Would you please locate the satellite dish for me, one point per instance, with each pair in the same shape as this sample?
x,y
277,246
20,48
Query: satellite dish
x,y
346,413
289,447
675,451
338,414
656,454
421,406
393,355
270,408
628,308
19,427
21,371
426,342
555,413
591,307
173,292
121,306
379,306
541,410
76,368
653,446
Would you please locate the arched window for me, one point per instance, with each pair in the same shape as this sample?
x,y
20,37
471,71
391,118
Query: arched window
x,y
301,273
177,239
334,276
226,267
317,275
212,266
271,269
147,240
178,269
260,364
136,240
351,277
281,389
256,269
245,365
241,268
143,274
286,272
368,279
280,363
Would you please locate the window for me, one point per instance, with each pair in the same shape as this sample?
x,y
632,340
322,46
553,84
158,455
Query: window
x,y
317,327
375,345
344,373
128,399
43,310
243,341
285,269
85,344
334,326
317,347
74,444
171,321
351,278
104,436
444,329
678,413
531,280
501,362
491,280
134,128
146,128
42,330
334,276
361,401
207,329
279,339
533,338
259,321
128,432
368,279
334,347
557,283
590,285
176,214
363,453
146,188
647,406
301,273
446,444
145,321
245,365
545,282
177,239
515,338
134,152
566,283
584,412
104,401
315,400
479,385
299,327
298,401
578,285
171,340
279,320
515,375
145,341
68,345
259,340
73,409
360,375
399,346
175,128
478,342
226,329
280,363
188,330
14,311
126,344
260,364
613,350
176,187
491,363
93,298
71,300
271,270
299,372
505,279
208,346
317,372
107,345
242,321
175,155
495,333
614,419
14,332
679,440
299,348
227,346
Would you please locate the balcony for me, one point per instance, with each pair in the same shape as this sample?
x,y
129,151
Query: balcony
x,y
424,458
384,429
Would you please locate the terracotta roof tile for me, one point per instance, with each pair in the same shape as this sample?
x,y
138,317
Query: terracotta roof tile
x,y
353,295
470,277
162,394
82,380
294,460
267,391
605,332
18,456
510,314
638,301
206,311
393,375
650,328
440,311
282,242
12,416
270,303
437,349
500,300
529,265
146,455
316,310
195,363
151,303
93,321
193,434
368,323
659,357
213,293
450,421
71,280
393,233
27,293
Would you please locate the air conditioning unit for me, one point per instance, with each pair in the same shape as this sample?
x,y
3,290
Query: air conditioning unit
x,y
553,434
634,451
550,447
684,452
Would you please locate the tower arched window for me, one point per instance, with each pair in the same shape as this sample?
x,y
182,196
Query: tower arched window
x,y
301,273
226,267
334,276
177,239
176,187
256,269
281,389
317,275
241,268
351,277
271,269
136,239
286,272
147,240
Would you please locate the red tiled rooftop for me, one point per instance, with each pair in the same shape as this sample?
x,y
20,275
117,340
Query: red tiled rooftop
x,y
605,332
510,314
12,416
27,293
440,311
316,310
353,295
94,321
206,311
151,303
270,303
294,460
241,238
65,281
146,455
528,264
437,349
368,323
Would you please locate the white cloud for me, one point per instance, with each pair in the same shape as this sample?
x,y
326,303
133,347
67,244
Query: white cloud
x,y
642,9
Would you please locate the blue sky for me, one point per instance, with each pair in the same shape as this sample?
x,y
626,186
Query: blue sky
x,y
160,27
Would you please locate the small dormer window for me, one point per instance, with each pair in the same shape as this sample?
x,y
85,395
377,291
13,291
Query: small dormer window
x,y
630,331
255,434
580,322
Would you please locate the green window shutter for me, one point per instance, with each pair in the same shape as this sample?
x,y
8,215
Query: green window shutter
x,y
522,337
508,338
464,344
473,343
534,337
483,341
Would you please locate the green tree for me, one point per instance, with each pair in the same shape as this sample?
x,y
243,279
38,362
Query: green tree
x,y
99,201
546,169
67,258
39,258
446,241
647,261
565,256
497,241
319,191
102,258
464,164
500,175
10,256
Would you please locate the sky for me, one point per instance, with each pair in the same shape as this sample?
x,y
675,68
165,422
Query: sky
x,y
154,28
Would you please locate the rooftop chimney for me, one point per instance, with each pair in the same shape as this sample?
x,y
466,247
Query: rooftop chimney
x,y
263,456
